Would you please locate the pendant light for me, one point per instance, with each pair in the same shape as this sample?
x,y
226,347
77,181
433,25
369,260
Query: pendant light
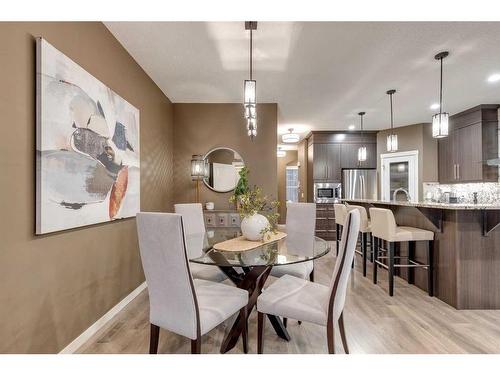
x,y
290,137
440,120
392,139
362,149
250,89
280,153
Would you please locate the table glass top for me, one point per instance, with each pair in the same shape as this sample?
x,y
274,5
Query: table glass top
x,y
294,248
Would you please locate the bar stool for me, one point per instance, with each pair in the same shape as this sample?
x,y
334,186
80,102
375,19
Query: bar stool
x,y
340,216
366,232
383,226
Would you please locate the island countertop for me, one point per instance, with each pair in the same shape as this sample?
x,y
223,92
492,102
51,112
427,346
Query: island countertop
x,y
447,206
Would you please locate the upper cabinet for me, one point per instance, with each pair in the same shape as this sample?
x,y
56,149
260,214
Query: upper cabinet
x,y
473,139
349,155
326,162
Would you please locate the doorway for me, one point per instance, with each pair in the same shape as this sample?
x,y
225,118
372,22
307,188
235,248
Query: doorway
x,y
399,175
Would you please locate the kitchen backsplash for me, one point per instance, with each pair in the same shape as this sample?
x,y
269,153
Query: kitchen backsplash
x,y
487,192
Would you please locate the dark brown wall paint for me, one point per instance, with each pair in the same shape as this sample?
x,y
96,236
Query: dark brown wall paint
x,y
54,287
202,127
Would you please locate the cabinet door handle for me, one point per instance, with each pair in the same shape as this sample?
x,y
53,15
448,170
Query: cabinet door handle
x,y
454,171
458,171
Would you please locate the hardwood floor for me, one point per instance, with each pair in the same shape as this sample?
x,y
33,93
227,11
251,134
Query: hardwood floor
x,y
409,322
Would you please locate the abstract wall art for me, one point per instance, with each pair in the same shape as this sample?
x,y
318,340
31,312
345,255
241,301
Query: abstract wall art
x,y
88,156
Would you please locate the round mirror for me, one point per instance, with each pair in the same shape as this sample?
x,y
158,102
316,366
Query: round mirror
x,y
223,164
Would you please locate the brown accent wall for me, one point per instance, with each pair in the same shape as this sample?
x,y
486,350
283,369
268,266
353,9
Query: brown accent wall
x,y
413,137
289,159
302,162
54,287
202,127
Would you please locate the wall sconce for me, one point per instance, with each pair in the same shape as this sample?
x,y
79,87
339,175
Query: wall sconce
x,y
199,171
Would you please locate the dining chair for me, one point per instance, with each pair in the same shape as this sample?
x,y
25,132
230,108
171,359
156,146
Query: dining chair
x,y
183,305
304,300
192,216
300,226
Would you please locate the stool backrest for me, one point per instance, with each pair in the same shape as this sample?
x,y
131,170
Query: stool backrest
x,y
300,228
192,216
363,225
383,224
342,270
172,297
340,213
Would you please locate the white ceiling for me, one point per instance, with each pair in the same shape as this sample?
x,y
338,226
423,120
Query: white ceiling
x,y
322,73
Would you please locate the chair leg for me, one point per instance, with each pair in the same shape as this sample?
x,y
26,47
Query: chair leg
x,y
337,234
244,333
342,333
311,276
364,238
330,336
196,346
260,332
411,256
154,335
375,258
430,269
391,268
285,321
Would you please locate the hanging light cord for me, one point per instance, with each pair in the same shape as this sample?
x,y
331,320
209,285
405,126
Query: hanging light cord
x,y
392,121
251,47
441,90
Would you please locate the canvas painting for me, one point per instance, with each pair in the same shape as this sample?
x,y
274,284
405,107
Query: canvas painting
x,y
88,155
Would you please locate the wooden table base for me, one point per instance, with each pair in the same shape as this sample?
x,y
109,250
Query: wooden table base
x,y
253,280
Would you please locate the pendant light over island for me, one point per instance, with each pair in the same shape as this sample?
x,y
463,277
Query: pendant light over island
x,y
440,120
392,139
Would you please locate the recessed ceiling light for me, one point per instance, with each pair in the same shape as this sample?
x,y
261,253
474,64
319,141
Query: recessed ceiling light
x,y
351,127
434,106
494,78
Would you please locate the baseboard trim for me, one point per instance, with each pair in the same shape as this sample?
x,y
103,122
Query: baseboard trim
x,y
89,332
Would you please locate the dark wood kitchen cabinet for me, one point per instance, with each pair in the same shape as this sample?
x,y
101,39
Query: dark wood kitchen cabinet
x,y
349,155
326,162
472,140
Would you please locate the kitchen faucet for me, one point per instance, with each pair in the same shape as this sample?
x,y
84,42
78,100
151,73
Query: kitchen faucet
x,y
408,198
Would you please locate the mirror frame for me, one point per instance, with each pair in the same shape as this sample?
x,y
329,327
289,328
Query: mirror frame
x,y
205,157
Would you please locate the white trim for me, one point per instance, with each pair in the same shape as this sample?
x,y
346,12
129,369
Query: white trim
x,y
402,153
89,332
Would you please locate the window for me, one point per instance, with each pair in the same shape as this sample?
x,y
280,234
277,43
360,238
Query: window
x,y
292,184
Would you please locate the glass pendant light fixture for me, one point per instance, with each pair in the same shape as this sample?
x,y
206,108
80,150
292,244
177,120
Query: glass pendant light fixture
x,y
440,120
280,153
362,149
199,171
392,139
290,137
250,89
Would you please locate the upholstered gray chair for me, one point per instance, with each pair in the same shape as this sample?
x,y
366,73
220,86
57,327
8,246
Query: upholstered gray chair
x,y
303,300
300,227
365,232
194,226
178,303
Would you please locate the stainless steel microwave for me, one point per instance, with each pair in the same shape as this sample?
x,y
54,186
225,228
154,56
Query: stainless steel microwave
x,y
327,192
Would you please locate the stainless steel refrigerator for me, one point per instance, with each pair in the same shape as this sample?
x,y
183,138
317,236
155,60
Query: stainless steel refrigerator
x,y
359,183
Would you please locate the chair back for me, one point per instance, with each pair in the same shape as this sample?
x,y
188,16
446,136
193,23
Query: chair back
x,y
342,270
340,213
383,223
192,217
300,228
363,224
172,297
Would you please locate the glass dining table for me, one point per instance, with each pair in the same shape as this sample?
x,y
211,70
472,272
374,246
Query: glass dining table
x,y
249,269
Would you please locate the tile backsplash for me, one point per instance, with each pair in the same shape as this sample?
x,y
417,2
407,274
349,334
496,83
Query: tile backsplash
x,y
487,192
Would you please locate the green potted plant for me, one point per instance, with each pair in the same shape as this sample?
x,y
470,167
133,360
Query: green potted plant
x,y
242,186
259,217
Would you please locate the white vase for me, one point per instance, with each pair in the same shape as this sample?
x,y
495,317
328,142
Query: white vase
x,y
252,226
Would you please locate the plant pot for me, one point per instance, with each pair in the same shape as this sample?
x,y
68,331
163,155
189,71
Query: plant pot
x,y
252,226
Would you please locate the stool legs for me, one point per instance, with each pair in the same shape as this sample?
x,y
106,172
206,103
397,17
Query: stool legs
x,y
391,268
364,238
411,257
375,257
430,268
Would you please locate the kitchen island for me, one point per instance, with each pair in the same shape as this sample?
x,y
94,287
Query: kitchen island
x,y
466,253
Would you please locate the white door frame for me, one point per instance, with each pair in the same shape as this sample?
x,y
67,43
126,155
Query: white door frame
x,y
409,156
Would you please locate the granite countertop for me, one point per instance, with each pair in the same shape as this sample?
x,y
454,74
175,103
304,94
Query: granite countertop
x,y
447,206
